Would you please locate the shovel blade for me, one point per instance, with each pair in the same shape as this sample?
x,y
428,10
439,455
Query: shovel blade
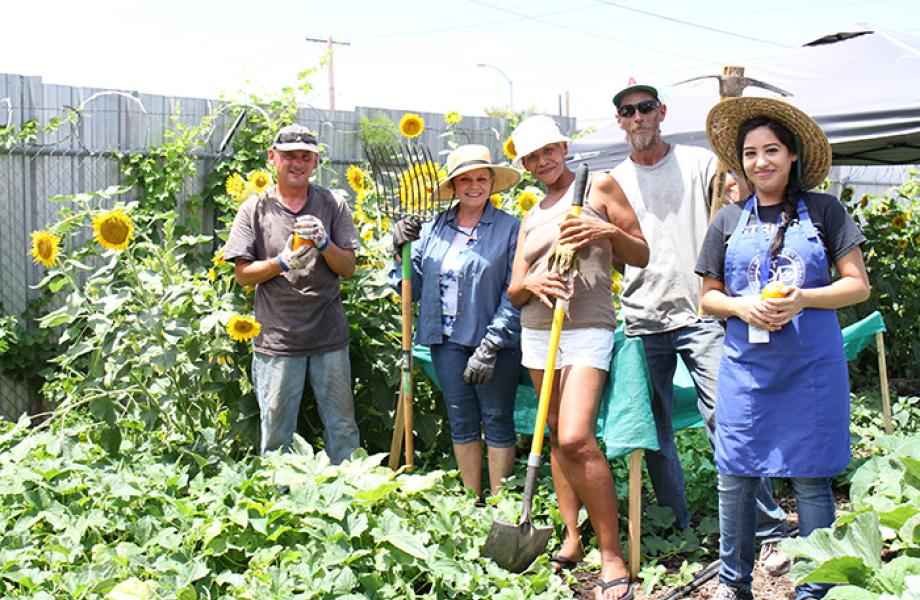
x,y
515,547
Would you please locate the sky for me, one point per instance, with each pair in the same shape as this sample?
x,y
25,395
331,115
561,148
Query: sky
x,y
419,56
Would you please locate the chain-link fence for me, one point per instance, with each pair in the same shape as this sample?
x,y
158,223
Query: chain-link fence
x,y
97,125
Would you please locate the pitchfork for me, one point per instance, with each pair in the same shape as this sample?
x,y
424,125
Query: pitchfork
x,y
406,180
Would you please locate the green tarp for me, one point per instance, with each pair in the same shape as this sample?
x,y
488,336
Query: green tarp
x,y
625,420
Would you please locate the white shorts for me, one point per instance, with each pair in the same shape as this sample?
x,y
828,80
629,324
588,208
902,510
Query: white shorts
x,y
590,347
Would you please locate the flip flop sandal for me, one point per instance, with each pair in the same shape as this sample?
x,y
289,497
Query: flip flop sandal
x,y
606,585
563,562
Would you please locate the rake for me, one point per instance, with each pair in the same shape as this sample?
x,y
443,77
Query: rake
x,y
406,181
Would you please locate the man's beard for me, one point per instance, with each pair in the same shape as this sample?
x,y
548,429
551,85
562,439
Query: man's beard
x,y
643,140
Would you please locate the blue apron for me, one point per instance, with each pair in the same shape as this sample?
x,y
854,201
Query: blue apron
x,y
782,408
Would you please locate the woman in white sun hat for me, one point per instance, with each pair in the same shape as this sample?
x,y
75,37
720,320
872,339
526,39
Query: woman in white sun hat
x,y
606,234
461,267
782,406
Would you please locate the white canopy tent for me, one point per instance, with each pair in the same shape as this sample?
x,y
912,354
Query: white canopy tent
x,y
863,88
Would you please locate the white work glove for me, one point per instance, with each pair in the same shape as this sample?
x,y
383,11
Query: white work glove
x,y
311,228
291,258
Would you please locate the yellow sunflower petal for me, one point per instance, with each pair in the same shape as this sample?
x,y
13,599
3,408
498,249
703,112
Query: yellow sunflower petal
x,y
496,200
113,229
411,125
45,247
242,328
508,149
355,177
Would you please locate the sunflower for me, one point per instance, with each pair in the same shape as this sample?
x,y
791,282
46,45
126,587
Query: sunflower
x,y
527,200
45,247
218,260
883,209
411,125
359,217
259,181
242,328
902,244
496,200
367,234
235,186
385,225
864,201
508,149
899,221
355,177
452,118
847,194
113,229
417,185
212,274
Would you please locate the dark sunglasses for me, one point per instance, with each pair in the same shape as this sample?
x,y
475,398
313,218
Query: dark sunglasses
x,y
294,137
644,107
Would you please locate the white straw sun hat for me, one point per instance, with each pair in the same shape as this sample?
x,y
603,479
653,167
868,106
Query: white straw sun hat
x,y
532,134
469,158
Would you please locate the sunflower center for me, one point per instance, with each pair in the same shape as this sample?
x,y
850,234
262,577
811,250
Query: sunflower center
x,y
45,249
243,326
114,231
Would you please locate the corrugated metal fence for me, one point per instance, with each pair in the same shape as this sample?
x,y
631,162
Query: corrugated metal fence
x,y
80,157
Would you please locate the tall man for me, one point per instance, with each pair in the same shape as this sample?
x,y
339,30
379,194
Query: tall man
x,y
669,187
304,328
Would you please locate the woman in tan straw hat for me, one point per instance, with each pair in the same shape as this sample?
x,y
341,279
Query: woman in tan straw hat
x,y
461,269
608,233
782,407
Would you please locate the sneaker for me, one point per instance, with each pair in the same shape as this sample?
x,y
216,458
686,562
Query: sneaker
x,y
723,592
773,561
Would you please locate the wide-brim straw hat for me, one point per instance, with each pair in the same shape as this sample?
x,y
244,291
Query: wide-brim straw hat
x,y
532,134
469,158
726,117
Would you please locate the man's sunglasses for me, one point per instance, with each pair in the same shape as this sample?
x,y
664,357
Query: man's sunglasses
x,y
644,107
294,137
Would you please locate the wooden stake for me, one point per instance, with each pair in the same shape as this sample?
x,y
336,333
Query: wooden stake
x,y
883,381
635,512
397,441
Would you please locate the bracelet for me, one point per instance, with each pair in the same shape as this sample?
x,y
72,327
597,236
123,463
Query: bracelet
x,y
323,247
284,267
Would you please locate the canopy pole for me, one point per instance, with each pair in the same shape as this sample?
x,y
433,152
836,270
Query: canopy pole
x,y
635,511
883,381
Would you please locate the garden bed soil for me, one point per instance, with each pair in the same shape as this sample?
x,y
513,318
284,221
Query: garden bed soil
x,y
764,586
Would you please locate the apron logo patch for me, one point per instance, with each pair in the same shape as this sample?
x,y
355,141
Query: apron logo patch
x,y
788,267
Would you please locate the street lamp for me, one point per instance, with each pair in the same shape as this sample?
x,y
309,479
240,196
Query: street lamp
x,y
510,84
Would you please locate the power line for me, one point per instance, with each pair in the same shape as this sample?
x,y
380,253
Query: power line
x,y
689,24
587,33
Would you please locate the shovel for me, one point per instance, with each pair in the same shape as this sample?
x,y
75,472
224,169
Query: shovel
x,y
515,547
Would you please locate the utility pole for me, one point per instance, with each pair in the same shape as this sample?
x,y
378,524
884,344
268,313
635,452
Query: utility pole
x,y
330,46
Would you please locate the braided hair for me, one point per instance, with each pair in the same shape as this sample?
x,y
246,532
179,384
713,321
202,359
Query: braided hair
x,y
793,187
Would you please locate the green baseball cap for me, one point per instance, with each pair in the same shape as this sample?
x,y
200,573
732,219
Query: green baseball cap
x,y
634,88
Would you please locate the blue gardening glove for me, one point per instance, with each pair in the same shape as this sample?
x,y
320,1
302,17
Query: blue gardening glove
x,y
291,258
481,366
311,228
405,232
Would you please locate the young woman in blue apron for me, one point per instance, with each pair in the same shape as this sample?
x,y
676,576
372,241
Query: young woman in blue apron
x,y
782,408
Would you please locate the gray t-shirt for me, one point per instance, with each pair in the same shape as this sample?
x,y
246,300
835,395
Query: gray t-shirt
x,y
671,201
836,228
300,311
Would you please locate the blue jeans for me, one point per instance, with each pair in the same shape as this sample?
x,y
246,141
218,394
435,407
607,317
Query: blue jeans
x,y
700,347
279,383
815,504
490,404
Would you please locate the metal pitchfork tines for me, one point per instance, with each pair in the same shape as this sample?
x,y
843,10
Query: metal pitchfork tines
x,y
406,179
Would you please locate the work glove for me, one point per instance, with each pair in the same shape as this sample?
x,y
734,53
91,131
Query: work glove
x,y
291,258
481,366
405,232
311,228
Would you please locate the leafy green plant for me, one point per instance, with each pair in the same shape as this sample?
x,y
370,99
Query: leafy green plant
x,y
892,254
873,549
186,523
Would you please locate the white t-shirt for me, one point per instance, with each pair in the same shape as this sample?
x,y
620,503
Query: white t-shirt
x,y
671,201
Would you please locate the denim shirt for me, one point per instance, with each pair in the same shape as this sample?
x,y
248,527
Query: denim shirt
x,y
483,308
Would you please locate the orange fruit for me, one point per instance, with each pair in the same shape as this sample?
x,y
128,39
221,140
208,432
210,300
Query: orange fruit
x,y
774,289
298,241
